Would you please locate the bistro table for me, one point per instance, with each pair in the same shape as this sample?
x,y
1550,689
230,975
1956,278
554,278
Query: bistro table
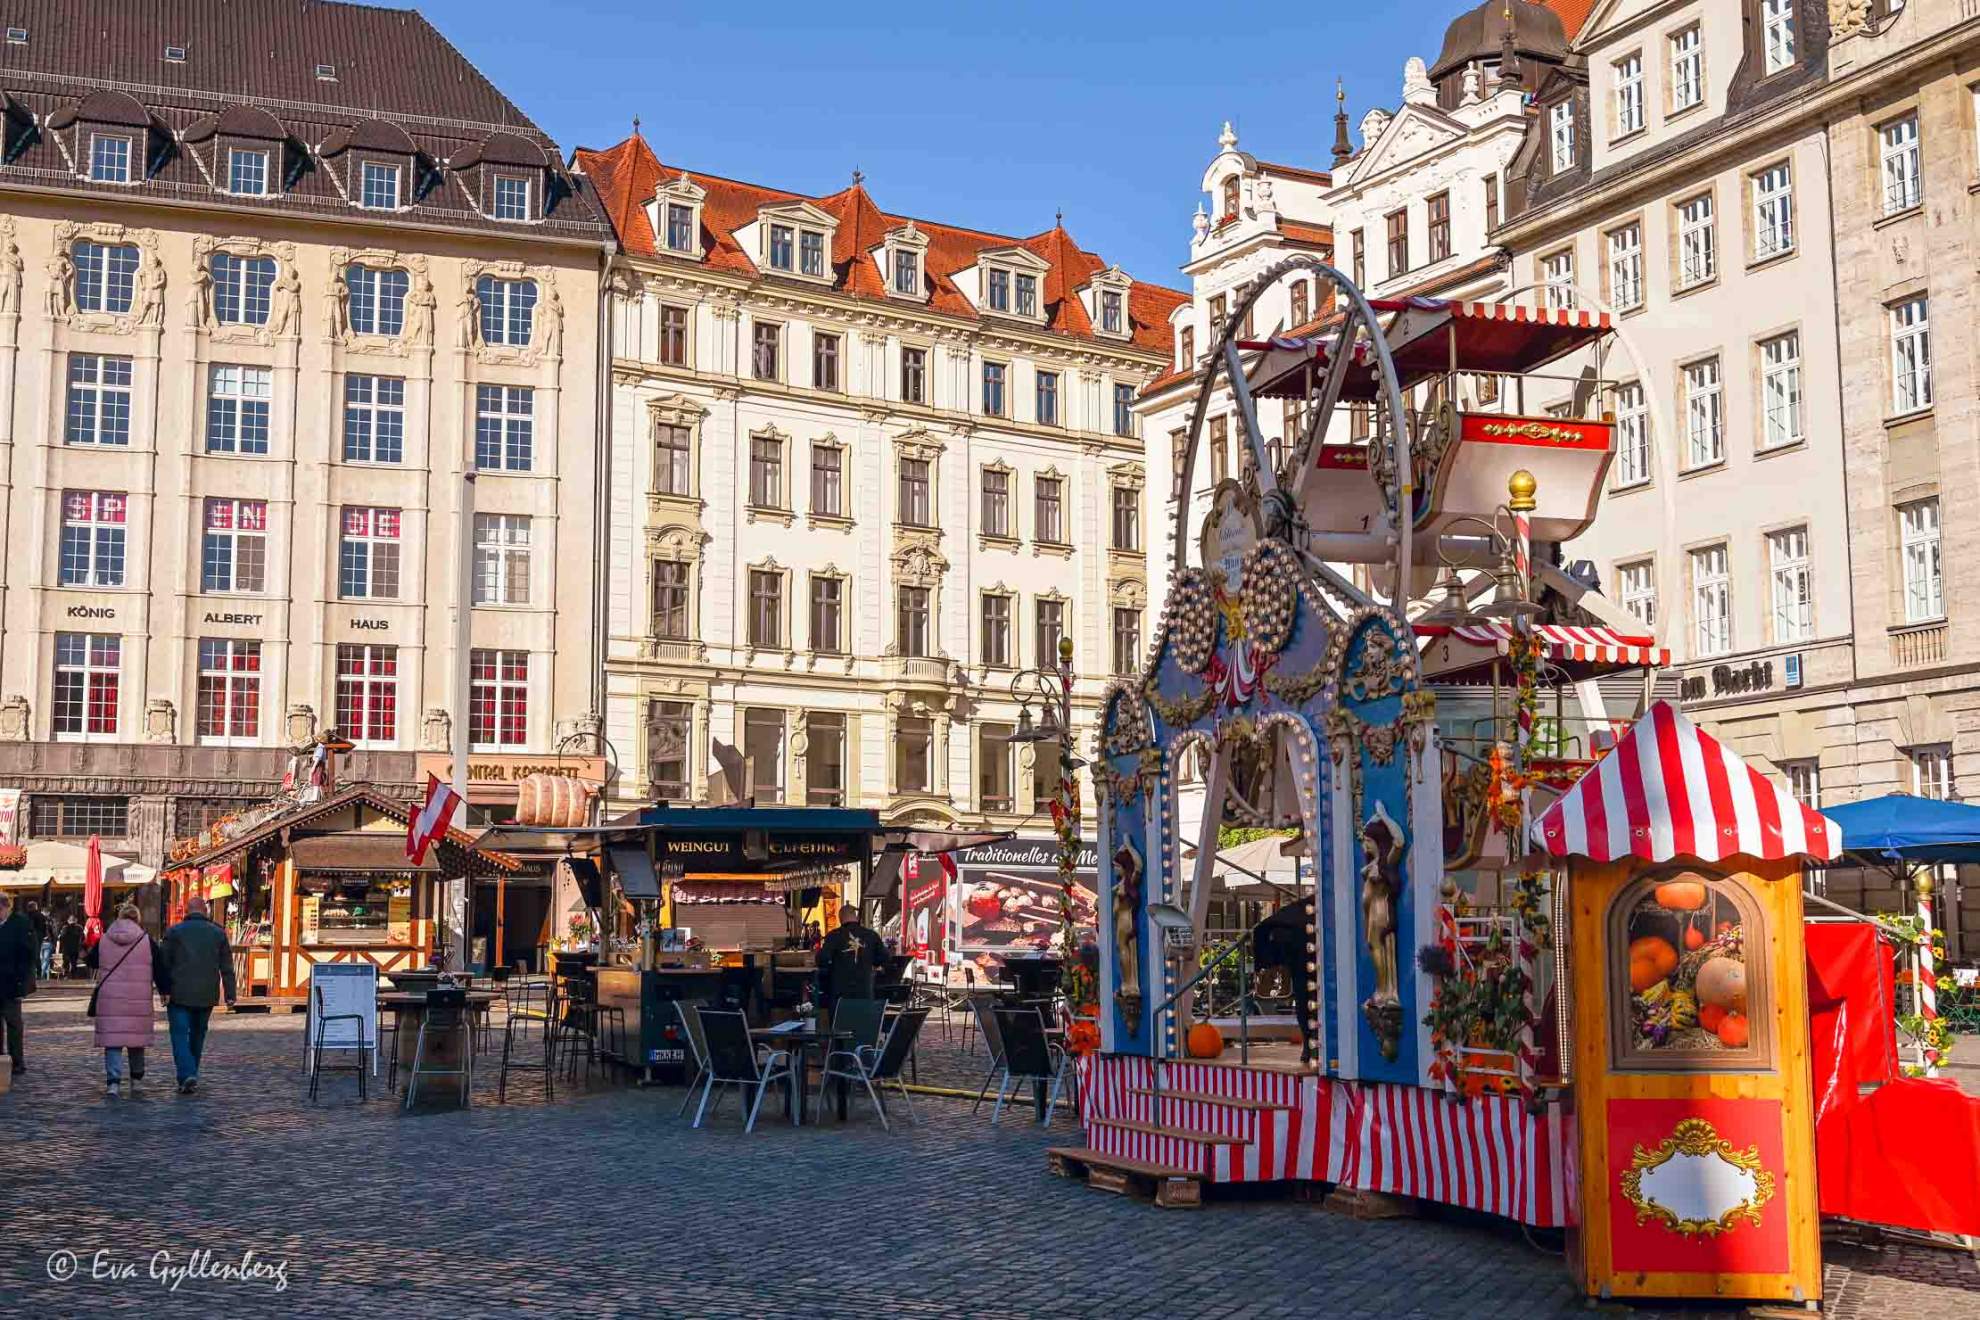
x,y
408,1010
803,1042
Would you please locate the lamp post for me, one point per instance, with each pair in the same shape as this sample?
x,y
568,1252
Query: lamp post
x,y
1052,689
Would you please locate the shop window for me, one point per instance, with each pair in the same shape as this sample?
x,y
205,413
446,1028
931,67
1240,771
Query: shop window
x,y
1688,975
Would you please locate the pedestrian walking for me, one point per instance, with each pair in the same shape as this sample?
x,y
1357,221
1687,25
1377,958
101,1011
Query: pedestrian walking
x,y
199,967
17,958
70,947
121,1003
44,936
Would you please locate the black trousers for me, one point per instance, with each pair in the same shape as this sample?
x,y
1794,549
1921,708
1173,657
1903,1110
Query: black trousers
x,y
11,1028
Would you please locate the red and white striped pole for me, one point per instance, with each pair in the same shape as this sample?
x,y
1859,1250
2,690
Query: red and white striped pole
x,y
1925,981
1521,487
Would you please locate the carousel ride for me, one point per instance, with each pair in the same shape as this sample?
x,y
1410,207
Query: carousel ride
x,y
1377,645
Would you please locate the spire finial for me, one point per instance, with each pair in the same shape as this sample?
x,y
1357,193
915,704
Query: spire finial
x,y
1059,217
858,177
1228,139
1342,147
635,125
1340,96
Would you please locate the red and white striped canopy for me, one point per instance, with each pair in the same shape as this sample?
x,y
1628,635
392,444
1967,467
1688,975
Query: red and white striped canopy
x,y
1558,641
1669,790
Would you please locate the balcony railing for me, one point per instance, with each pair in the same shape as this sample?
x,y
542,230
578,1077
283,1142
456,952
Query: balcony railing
x,y
917,669
1921,644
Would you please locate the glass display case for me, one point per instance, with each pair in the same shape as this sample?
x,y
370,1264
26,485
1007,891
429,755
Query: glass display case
x,y
1684,991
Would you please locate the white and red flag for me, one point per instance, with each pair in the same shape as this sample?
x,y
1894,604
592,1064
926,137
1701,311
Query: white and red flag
x,y
431,822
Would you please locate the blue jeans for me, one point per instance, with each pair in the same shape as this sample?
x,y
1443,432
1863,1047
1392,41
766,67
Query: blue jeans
x,y
113,1063
188,1027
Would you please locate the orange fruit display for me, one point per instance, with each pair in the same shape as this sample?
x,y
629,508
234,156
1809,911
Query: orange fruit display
x,y
1710,1016
1733,1031
1681,895
1657,950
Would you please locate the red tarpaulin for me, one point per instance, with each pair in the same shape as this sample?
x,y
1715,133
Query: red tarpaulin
x,y
1850,976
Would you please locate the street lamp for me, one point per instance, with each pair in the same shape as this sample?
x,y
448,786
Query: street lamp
x,y
1052,689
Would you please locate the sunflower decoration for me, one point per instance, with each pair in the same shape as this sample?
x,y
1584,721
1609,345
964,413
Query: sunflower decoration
x,y
1270,592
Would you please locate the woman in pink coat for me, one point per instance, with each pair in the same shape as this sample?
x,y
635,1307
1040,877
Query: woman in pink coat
x,y
123,997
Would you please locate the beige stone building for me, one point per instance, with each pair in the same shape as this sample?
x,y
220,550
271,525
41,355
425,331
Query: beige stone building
x,y
257,318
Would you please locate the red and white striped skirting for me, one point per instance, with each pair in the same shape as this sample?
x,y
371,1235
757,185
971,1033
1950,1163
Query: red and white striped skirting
x,y
1486,1154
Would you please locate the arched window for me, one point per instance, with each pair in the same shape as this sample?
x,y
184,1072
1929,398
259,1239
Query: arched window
x,y
1230,208
1688,975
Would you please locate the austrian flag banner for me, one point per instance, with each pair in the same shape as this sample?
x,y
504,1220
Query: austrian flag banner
x,y
431,822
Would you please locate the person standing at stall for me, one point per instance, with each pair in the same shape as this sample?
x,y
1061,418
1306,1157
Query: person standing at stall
x,y
16,979
122,1001
199,965
847,960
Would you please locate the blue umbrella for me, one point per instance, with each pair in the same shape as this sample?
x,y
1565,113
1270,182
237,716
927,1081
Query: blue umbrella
x,y
1902,827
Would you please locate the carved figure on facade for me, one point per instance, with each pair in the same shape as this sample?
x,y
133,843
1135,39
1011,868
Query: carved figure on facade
x,y
151,289
199,308
551,320
285,312
337,303
467,317
10,270
61,270
419,307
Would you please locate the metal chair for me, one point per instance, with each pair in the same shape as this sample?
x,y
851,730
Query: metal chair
x,y
577,1028
859,1018
1029,1056
446,1013
874,1067
323,1021
732,1061
533,1008
697,1049
983,1012
968,1000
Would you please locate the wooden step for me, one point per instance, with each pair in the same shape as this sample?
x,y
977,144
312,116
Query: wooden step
x,y
1176,1189
1205,1098
1179,1134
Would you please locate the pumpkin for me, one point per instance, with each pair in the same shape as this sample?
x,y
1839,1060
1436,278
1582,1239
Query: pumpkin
x,y
1205,1041
1734,1032
1643,973
1722,981
1681,895
1694,939
1710,1016
1656,950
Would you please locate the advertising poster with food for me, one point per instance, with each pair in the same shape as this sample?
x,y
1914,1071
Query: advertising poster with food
x,y
925,911
1007,900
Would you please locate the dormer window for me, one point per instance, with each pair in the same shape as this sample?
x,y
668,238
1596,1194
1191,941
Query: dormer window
x,y
247,172
17,36
326,73
1230,206
1110,312
903,262
379,187
511,197
1106,298
676,217
680,228
175,54
1027,295
1000,291
907,273
110,157
811,253
1561,135
795,238
781,252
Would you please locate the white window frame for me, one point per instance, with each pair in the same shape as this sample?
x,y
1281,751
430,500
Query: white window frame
x,y
1911,355
1900,163
1773,211
502,209
1921,567
1560,137
1557,279
996,611
105,278
239,396
111,156
1792,585
1804,781
1777,34
1625,265
99,400
505,690
235,539
369,537
1780,391
1632,435
1628,74
101,657
1711,601
501,559
95,540
240,295
508,311
508,412
377,172
1704,413
1698,241
220,667
1931,772
369,404
1687,68
247,164
1636,589
369,687
377,300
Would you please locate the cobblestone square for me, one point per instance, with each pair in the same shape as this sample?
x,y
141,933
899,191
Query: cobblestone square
x,y
605,1203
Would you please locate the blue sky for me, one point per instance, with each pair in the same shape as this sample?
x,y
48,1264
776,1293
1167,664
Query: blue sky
x,y
986,115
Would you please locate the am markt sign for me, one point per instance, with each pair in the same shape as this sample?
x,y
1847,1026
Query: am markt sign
x,y
1729,681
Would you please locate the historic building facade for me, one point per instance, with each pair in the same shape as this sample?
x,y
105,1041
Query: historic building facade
x,y
863,470
258,319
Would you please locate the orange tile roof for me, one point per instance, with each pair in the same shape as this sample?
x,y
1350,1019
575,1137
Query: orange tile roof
x,y
1572,13
1298,233
1295,172
627,175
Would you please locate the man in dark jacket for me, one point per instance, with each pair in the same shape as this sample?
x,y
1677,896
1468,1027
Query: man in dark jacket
x,y
847,959
18,956
199,965
70,944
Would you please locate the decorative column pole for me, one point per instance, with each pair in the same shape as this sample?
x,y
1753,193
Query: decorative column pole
x,y
1925,974
1528,891
1065,821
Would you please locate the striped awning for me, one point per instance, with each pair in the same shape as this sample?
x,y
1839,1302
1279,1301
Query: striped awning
x,y
1669,790
1559,642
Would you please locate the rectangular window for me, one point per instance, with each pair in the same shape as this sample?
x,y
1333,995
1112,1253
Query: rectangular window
x,y
234,549
79,817
1358,254
993,389
782,252
670,600
1491,182
824,362
1220,446
1711,601
1220,312
1048,515
1804,782
765,342
825,759
1777,33
911,620
1911,355
1127,518
93,525
1439,207
1918,548
914,368
1027,296
1636,586
1048,398
907,272
106,277
1899,140
99,407
498,698
766,472
379,187
374,419
914,746
994,765
680,227
1111,320
247,172
669,733
377,300
368,554
505,428
237,403
996,629
1186,348
1301,303
1398,223
243,289
1124,410
227,703
1780,389
1000,290
368,694
766,608
511,197
508,311
1560,136
828,598
811,253
1629,93
1793,589
1931,772
1698,246
1632,436
1626,267
1687,68
828,498
913,503
501,559
1049,619
1127,640
996,502
86,679
1557,278
109,158
1704,421
1773,212
673,335
673,459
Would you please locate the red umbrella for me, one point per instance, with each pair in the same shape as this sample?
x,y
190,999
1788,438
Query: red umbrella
x,y
93,894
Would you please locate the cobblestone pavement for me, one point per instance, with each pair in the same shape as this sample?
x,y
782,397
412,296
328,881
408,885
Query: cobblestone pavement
x,y
604,1203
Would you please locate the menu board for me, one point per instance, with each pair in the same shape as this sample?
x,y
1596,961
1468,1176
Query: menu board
x,y
1006,900
398,919
312,917
347,990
